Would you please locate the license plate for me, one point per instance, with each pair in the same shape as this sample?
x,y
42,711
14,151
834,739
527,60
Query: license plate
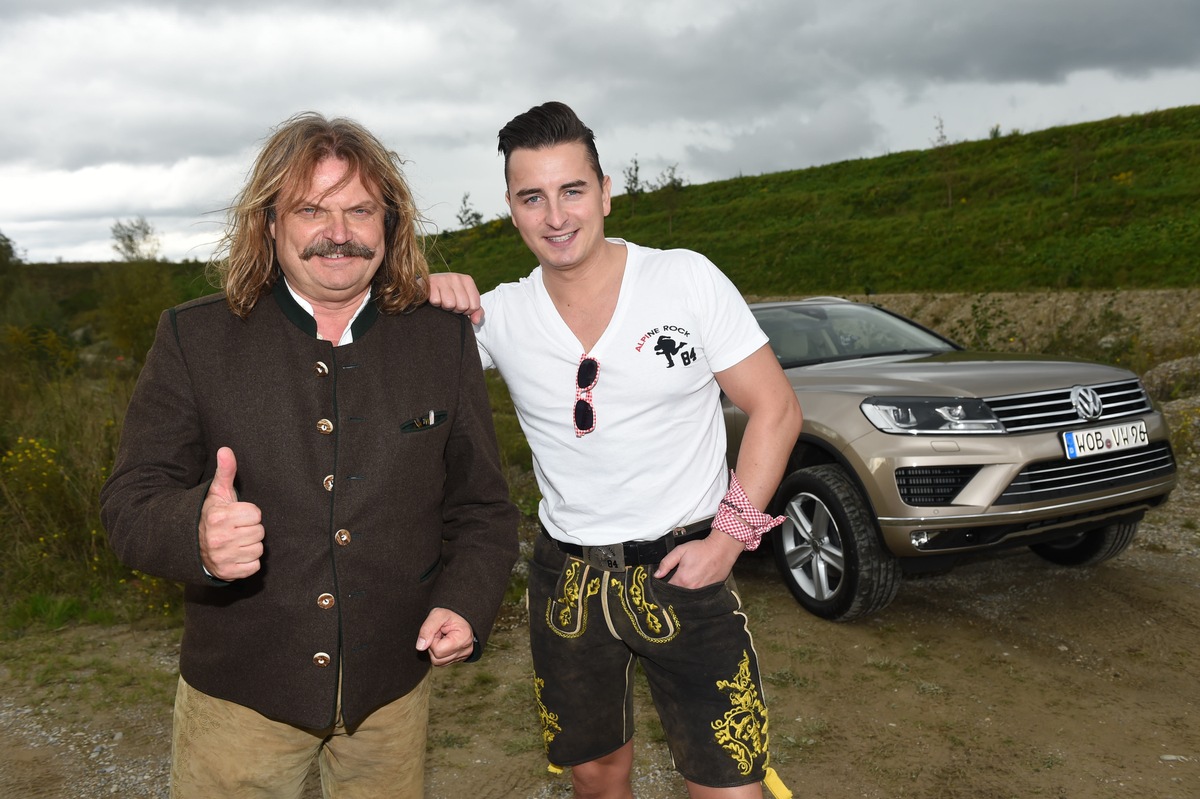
x,y
1082,443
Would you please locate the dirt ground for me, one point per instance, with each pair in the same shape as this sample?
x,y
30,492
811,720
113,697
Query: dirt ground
x,y
1006,678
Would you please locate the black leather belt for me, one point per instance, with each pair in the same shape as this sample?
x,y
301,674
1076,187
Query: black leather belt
x,y
614,557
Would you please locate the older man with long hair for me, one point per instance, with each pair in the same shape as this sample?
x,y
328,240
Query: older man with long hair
x,y
311,454
282,170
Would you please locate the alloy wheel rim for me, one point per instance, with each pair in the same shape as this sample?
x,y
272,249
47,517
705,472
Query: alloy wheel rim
x,y
813,548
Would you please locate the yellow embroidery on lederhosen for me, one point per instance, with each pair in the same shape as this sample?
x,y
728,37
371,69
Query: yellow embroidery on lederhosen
x,y
742,731
655,624
567,615
549,720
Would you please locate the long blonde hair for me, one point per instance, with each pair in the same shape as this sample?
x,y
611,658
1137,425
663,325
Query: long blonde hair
x,y
244,264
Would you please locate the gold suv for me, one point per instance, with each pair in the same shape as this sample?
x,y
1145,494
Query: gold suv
x,y
915,452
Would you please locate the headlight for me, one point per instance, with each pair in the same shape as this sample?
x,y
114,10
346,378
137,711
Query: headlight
x,y
930,415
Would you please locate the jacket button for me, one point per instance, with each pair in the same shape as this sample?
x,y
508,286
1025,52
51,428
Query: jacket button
x,y
325,601
320,369
328,482
324,426
342,537
321,660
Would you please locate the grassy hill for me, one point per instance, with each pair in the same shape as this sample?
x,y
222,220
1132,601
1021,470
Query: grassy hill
x,y
1108,205
1100,205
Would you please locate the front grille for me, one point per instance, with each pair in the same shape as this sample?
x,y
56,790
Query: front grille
x,y
925,486
1065,478
1043,410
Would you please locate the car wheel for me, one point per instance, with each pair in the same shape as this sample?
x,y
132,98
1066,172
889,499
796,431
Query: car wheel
x,y
1090,548
828,549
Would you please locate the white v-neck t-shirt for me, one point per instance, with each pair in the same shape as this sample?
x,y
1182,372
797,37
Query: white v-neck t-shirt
x,y
656,458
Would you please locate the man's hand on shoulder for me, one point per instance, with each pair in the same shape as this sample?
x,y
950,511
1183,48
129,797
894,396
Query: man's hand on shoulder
x,y
456,292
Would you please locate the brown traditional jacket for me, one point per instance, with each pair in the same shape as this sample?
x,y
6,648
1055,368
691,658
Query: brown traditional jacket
x,y
376,468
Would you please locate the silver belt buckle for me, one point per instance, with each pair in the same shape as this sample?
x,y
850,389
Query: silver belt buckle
x,y
609,558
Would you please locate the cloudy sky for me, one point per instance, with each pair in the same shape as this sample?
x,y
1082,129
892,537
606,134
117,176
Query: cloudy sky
x,y
114,110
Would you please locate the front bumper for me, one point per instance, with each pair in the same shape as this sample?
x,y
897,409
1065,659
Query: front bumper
x,y
984,512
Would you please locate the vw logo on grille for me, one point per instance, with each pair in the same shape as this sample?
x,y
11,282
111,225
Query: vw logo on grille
x,y
1087,403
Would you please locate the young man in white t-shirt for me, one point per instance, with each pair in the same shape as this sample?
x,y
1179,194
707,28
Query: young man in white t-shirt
x,y
615,356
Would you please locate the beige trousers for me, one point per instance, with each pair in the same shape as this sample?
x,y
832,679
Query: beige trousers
x,y
222,749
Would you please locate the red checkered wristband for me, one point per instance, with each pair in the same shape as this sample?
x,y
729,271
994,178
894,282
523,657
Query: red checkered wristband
x,y
738,518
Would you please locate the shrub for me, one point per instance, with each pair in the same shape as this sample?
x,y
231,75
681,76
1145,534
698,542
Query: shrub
x,y
58,438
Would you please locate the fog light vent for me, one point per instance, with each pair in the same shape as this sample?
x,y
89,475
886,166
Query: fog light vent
x,y
925,486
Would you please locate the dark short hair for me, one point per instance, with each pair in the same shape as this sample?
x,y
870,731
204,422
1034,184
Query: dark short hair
x,y
547,125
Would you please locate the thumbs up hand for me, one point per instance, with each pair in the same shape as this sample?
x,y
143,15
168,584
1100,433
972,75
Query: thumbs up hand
x,y
231,532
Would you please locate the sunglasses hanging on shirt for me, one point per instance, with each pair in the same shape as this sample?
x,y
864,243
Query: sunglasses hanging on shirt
x,y
585,380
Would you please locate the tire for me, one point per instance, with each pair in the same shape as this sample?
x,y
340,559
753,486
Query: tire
x,y
828,549
1090,548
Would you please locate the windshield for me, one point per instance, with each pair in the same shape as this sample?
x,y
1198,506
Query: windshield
x,y
802,334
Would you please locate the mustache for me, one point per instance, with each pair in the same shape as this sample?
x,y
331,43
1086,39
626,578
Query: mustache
x,y
326,248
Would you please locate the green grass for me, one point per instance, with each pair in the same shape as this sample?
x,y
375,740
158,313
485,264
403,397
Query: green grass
x,y
786,678
92,670
1101,205
449,740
